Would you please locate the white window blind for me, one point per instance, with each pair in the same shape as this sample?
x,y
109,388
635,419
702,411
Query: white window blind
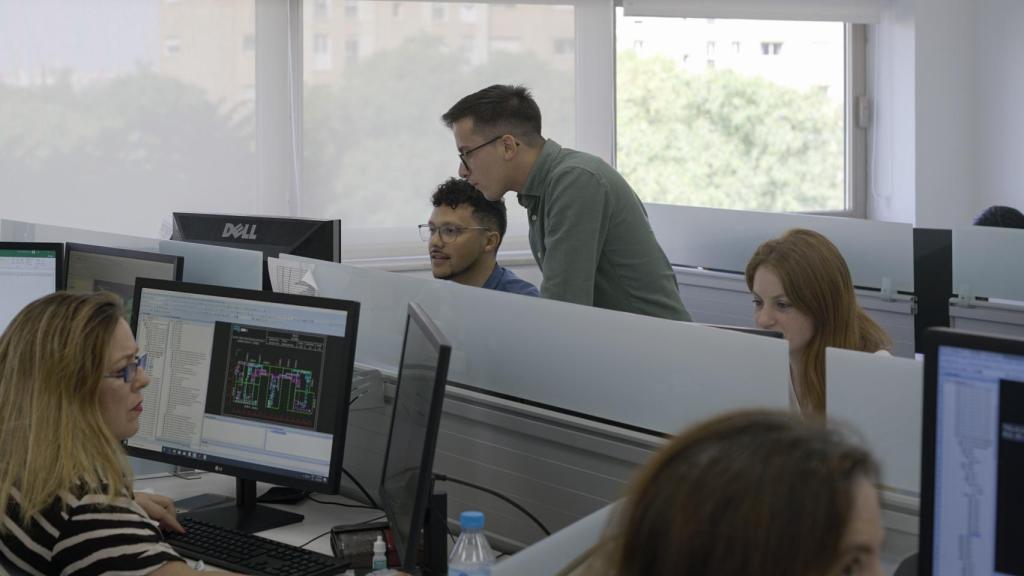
x,y
852,11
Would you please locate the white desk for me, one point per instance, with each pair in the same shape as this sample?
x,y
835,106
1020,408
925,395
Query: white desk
x,y
319,518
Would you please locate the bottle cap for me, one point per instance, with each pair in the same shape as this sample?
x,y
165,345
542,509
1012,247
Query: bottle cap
x,y
471,520
379,547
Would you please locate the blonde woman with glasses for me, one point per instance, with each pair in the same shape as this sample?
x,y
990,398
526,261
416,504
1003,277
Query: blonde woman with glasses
x,y
70,392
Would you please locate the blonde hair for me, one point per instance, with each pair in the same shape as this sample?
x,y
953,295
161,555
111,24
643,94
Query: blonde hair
x,y
52,360
817,282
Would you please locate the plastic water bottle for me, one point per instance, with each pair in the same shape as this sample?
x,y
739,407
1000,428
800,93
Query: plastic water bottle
x,y
380,559
472,555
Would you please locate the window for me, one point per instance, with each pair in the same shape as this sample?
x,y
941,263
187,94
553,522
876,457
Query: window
x,y
374,146
172,46
322,9
438,12
738,132
151,108
351,9
322,60
351,50
564,46
249,43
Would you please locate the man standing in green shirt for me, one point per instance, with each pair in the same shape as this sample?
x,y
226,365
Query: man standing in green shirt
x,y
588,230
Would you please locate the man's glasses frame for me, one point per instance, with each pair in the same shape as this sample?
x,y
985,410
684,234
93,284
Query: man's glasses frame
x,y
130,370
449,232
464,156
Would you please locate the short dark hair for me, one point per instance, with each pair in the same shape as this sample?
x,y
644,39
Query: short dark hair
x,y
1002,216
455,192
510,109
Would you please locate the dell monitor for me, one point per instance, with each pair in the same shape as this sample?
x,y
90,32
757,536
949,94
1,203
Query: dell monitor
x,y
272,235
98,268
407,482
246,383
972,463
28,270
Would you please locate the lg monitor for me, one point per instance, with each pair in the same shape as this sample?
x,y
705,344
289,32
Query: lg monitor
x,y
972,465
272,235
407,483
98,268
246,383
28,270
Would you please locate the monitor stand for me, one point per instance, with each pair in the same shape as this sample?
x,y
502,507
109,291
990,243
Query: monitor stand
x,y
245,515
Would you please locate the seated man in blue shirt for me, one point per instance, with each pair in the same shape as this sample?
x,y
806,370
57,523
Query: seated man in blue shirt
x,y
464,233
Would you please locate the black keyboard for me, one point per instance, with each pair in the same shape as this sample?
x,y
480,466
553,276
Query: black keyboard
x,y
247,553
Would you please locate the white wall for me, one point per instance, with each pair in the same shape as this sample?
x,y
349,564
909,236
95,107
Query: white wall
x,y
999,128
954,66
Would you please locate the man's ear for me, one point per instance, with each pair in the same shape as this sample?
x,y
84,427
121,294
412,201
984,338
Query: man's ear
x,y
492,242
509,146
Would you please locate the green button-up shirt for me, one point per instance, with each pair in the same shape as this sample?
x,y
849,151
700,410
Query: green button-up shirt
x,y
590,236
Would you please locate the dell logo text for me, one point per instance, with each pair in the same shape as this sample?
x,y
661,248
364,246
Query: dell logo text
x,y
243,231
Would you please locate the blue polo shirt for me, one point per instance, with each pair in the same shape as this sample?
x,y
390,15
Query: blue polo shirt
x,y
506,280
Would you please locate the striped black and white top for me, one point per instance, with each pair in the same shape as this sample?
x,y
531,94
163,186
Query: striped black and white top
x,y
82,535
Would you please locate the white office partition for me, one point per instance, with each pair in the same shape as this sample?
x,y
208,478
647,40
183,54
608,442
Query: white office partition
x,y
646,372
881,397
18,231
988,262
880,254
217,265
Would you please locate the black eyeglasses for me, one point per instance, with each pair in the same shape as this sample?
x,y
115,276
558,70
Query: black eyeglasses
x,y
128,372
464,156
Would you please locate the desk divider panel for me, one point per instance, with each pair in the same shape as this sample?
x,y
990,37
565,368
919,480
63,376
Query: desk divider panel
x,y
881,397
217,265
726,239
988,262
532,361
18,231
643,372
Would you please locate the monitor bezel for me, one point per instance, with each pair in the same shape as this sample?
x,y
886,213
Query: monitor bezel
x,y
262,218
934,338
57,247
407,550
330,486
177,261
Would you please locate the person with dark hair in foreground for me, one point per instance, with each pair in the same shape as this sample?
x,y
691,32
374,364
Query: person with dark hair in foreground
x,y
463,235
1001,216
749,493
588,230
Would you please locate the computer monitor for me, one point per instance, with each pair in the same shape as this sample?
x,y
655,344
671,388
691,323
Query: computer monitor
x,y
748,330
246,383
99,268
272,235
28,270
972,464
407,482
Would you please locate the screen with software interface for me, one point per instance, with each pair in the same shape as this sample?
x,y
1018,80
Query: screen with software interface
x,y
25,276
247,383
94,272
415,395
979,463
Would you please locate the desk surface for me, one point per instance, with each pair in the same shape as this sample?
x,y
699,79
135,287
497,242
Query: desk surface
x,y
319,518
